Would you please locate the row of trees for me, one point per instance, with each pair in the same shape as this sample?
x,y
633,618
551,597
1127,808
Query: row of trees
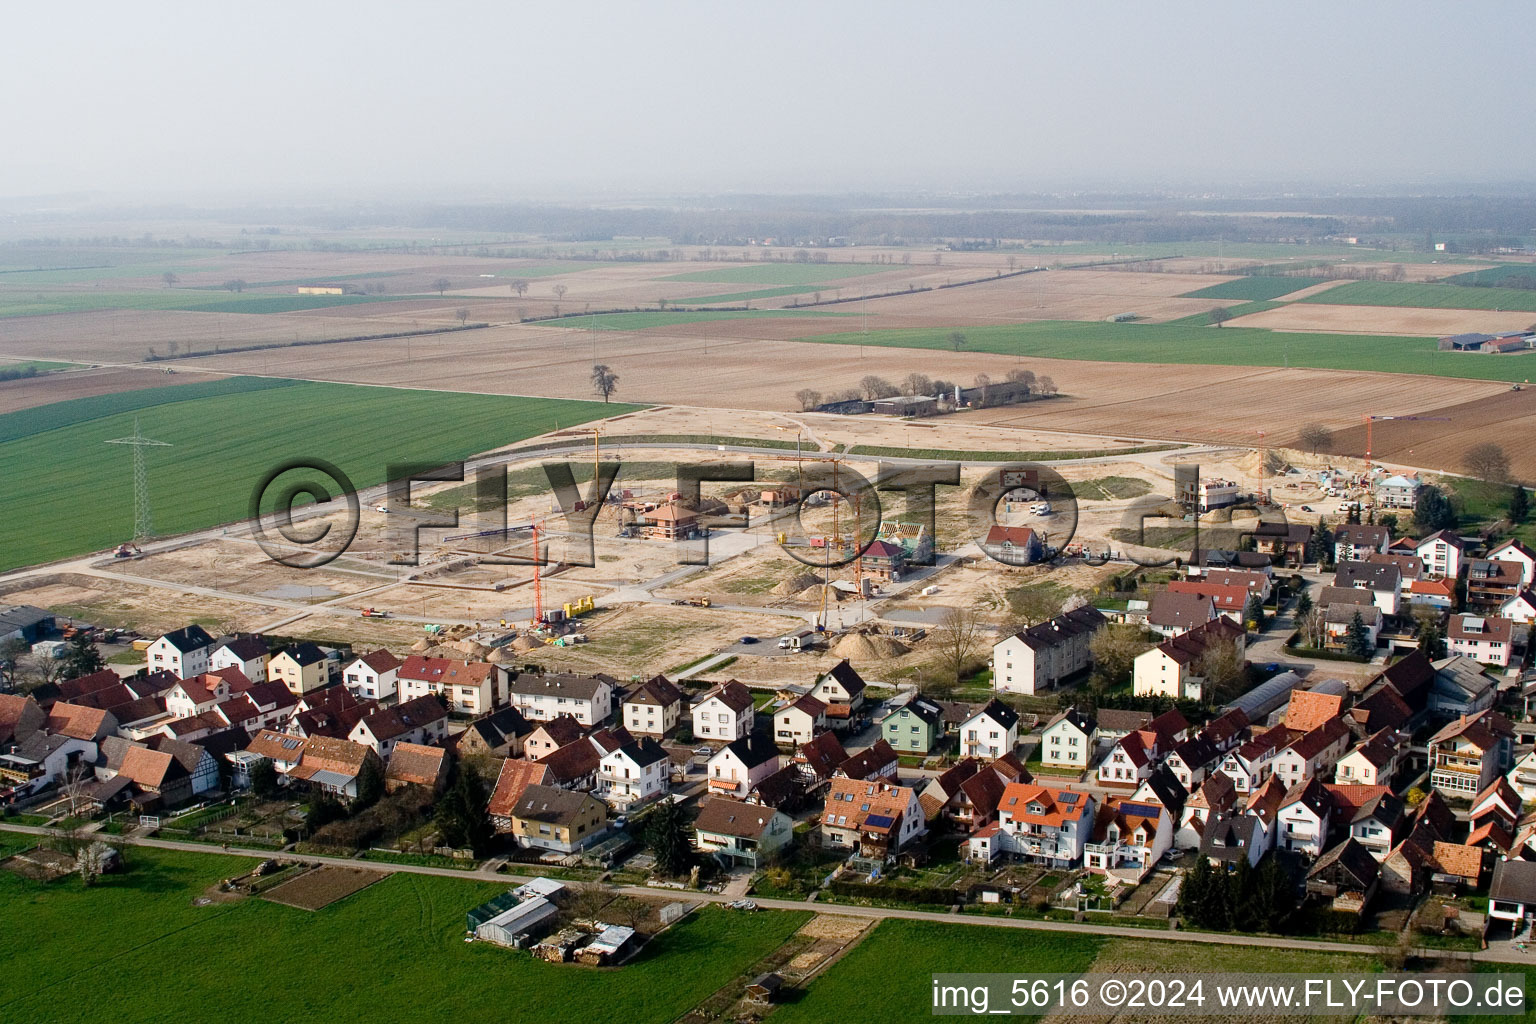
x,y
873,387
1244,898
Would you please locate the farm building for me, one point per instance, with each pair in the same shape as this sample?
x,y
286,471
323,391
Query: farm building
x,y
24,622
520,924
321,289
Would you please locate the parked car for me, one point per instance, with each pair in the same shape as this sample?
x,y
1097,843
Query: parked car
x,y
748,640
742,905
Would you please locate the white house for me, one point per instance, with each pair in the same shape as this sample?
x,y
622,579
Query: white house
x,y
840,686
1304,819
1129,762
372,675
249,654
1172,668
1397,492
1442,552
182,652
1352,542
543,698
1512,893
990,732
1249,765
737,768
420,720
871,818
653,708
1129,838
195,694
1521,608
1523,777
724,714
1372,815
738,833
1373,763
477,687
800,721
1383,579
1040,657
1068,740
633,774
1313,754
1516,552
1040,824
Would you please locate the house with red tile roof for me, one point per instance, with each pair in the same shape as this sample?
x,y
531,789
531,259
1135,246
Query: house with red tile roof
x,y
415,764
872,820
1039,824
1129,837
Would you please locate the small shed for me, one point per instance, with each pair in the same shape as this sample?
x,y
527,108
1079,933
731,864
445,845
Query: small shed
x,y
765,988
516,926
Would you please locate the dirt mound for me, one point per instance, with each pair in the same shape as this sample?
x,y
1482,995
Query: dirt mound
x,y
868,647
421,645
524,644
795,584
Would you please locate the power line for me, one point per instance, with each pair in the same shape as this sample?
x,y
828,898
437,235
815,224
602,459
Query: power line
x,y
143,526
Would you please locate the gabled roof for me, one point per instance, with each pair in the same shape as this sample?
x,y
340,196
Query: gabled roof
x,y
416,713
246,648
152,769
1446,536
1433,814
1063,628
1196,752
1458,859
869,762
1491,628
1117,720
189,754
550,805
1312,795
863,805
573,762
999,712
1376,576
1352,859
823,754
380,661
276,746
1078,720
784,786
1217,793
752,750
1228,837
984,790
807,704
561,730
498,727
19,716
1225,728
1320,739
1164,787
643,752
77,722
328,754
720,815
1483,730
1362,534
1265,802
416,764
847,677
1352,803
732,694
1043,805
657,690
302,654
516,775
1174,610
188,638
449,672
1383,709
73,689
1228,597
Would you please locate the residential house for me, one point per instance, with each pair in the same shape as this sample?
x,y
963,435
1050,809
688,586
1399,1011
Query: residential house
x,y
1486,639
79,722
1372,816
1170,613
1517,553
550,736
1397,491
818,759
653,708
737,768
1230,599
1114,723
1173,667
967,793
1491,583
1128,839
372,675
743,834
1215,797
157,774
421,720
1347,876
1410,569
415,764
1312,754
1039,824
1286,541
330,711
498,734
1305,817
1469,753
871,819
19,717
1040,657
1432,593
301,667
1512,893
1013,545
1522,777
202,767
634,774
877,761
914,727
1230,837
280,748
543,698
1384,581
333,765
1499,804
1442,553
249,654
1373,763
842,690
1339,619
1068,740
183,652
559,820
478,687
1129,762
1252,763
882,560
990,732
575,765
1190,760
1521,608
515,776
799,722
1352,542
724,714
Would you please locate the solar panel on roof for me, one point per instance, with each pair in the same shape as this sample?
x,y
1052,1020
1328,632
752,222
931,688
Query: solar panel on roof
x,y
1067,798
879,820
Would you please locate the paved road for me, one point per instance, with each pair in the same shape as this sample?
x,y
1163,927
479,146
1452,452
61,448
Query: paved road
x,y
1495,954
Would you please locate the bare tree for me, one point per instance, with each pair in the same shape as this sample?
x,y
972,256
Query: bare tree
x,y
1022,376
461,314
984,382
604,381
1030,606
1314,627
1222,667
1316,438
808,398
1487,461
441,285
559,291
917,384
1220,315
957,340
1114,649
234,285
877,387
587,900
170,278
1046,386
519,287
957,637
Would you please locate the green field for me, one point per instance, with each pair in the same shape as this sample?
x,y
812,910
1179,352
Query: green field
x,y
1254,288
35,365
670,318
1493,277
734,297
1425,296
30,303
1236,310
970,455
134,949
228,434
783,273
1191,343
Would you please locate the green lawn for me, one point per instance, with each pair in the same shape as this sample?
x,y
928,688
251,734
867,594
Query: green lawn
x,y
1221,346
670,318
1234,311
135,949
1254,288
779,274
227,435
887,977
35,365
1425,296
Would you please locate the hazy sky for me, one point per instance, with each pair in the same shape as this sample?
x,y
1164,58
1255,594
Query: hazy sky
x,y
507,99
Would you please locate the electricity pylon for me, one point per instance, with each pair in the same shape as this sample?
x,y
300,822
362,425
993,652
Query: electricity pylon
x,y
143,526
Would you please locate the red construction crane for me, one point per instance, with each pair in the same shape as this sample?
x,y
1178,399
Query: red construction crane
x,y
538,587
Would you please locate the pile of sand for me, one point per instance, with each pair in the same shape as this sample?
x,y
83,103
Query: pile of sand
x,y
794,585
865,647
421,645
524,644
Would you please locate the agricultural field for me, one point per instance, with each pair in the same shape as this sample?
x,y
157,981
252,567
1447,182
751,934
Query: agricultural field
x,y
227,434
322,886
1495,277
41,303
645,320
32,366
413,923
785,273
1256,288
1427,295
